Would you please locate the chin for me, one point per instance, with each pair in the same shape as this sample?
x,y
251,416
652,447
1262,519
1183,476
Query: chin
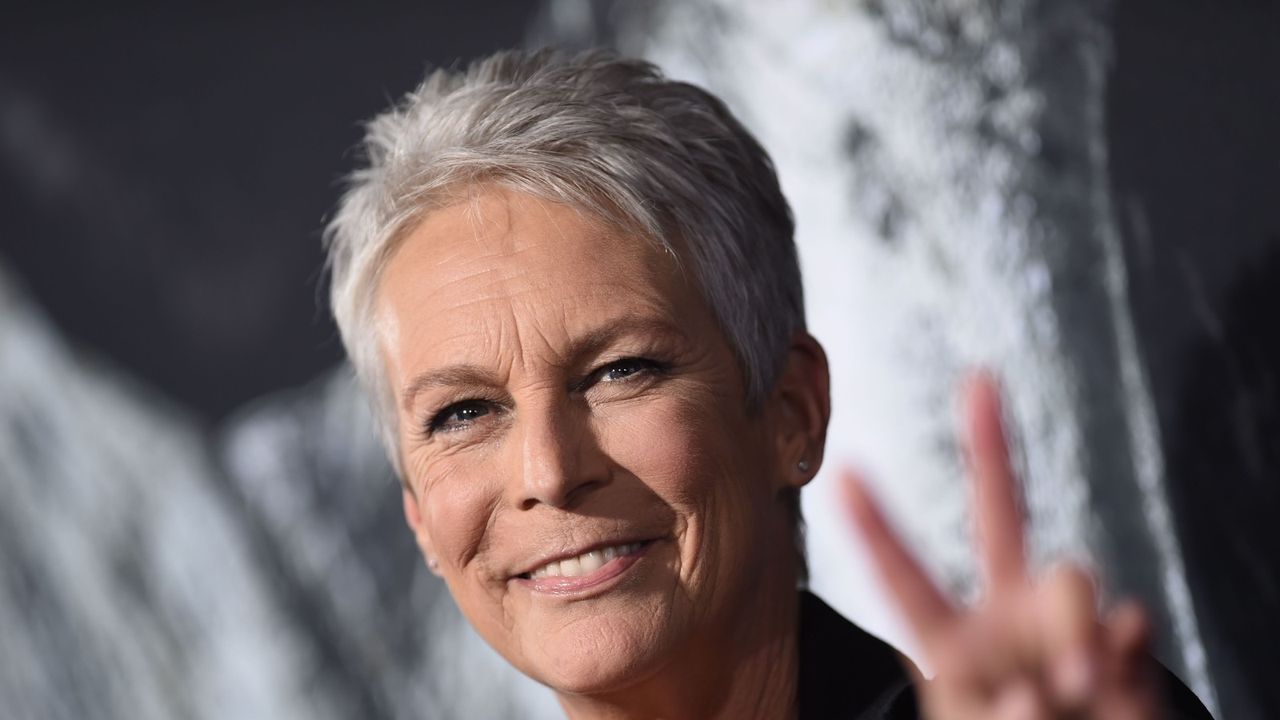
x,y
601,653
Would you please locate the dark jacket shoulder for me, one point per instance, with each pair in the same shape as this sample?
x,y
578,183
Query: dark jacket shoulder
x,y
845,672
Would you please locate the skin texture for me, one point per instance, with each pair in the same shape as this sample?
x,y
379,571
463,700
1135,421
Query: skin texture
x,y
1033,648
563,385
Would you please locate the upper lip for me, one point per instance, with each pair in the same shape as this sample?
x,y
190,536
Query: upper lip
x,y
558,556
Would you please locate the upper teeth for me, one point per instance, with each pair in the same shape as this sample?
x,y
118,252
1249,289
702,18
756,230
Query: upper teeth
x,y
585,563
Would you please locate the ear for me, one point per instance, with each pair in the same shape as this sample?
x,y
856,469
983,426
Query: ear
x,y
801,409
413,517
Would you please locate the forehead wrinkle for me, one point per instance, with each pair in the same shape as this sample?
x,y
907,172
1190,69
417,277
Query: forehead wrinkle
x,y
526,328
593,226
575,348
503,299
508,230
540,334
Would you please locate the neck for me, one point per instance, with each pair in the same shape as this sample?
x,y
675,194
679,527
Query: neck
x,y
745,668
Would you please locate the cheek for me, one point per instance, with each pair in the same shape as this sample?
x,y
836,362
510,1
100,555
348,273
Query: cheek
x,y
705,462
665,444
456,507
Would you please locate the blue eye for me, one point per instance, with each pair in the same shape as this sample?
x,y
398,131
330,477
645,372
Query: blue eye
x,y
624,369
458,416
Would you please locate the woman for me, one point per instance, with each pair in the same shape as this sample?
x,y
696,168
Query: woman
x,y
571,289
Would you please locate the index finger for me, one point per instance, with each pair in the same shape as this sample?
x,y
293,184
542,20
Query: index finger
x,y
997,516
926,608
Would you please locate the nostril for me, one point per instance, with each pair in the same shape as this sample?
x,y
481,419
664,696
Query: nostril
x,y
561,462
566,497
580,492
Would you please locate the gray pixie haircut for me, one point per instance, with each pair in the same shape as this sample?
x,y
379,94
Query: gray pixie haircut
x,y
613,137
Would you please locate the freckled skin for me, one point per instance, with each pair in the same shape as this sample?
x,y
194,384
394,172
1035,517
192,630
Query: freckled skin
x,y
556,454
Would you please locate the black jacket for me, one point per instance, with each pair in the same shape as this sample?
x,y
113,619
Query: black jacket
x,y
846,674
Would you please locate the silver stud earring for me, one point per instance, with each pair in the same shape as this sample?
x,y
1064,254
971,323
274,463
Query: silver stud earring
x,y
433,564
803,466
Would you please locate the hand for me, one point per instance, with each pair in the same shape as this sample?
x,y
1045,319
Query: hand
x,y
1028,649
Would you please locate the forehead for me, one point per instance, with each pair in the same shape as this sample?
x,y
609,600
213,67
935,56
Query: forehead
x,y
503,262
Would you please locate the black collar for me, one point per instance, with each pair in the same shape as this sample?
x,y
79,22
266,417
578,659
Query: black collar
x,y
846,673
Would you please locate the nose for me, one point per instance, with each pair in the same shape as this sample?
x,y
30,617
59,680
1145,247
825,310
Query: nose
x,y
560,458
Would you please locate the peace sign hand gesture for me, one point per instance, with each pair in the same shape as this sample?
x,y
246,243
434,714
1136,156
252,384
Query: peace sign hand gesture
x,y
1031,648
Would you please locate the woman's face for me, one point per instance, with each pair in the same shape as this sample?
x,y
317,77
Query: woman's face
x,y
573,429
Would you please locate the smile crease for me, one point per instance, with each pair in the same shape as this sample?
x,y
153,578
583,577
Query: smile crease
x,y
584,564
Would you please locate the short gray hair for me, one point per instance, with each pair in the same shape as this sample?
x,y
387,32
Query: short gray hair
x,y
607,135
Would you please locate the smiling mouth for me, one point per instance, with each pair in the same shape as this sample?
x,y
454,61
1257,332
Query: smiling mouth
x,y
585,564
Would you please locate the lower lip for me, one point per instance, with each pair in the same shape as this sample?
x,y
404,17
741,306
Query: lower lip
x,y
574,585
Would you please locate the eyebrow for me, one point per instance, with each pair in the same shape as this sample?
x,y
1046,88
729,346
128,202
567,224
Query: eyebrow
x,y
445,377
590,343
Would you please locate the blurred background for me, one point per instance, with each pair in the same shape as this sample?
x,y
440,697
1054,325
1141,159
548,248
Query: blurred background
x,y
196,521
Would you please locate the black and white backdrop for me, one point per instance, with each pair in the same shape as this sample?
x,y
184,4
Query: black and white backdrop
x,y
195,520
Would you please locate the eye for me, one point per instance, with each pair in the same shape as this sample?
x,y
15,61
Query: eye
x,y
458,416
624,370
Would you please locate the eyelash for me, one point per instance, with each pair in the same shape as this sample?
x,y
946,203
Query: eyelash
x,y
642,366
635,367
440,421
